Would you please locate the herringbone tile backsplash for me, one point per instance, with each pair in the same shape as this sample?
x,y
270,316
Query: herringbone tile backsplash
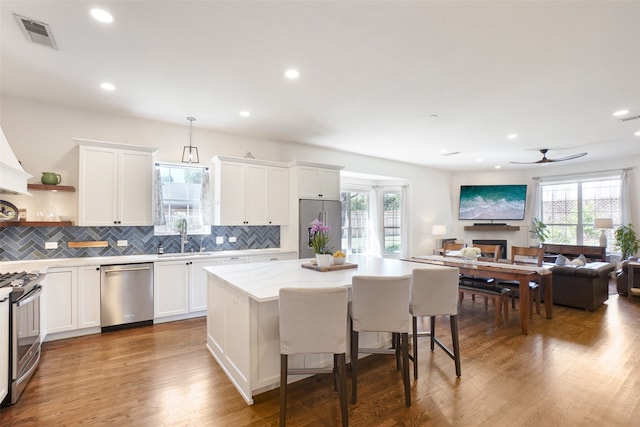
x,y
28,243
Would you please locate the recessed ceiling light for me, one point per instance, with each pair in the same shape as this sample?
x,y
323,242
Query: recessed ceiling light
x,y
292,74
637,133
479,160
443,150
245,113
101,15
620,113
107,86
512,136
497,167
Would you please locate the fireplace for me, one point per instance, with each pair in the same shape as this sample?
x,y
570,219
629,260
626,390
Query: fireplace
x,y
502,243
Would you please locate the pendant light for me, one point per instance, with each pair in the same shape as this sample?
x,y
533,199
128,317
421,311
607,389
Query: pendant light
x,y
190,153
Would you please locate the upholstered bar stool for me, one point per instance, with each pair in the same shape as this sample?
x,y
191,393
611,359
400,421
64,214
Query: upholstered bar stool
x,y
381,304
434,292
314,321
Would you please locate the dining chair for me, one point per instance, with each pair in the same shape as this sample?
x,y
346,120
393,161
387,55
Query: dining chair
x,y
434,292
314,321
532,255
483,285
381,304
449,247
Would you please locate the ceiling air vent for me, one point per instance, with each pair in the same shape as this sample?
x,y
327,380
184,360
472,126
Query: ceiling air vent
x,y
36,32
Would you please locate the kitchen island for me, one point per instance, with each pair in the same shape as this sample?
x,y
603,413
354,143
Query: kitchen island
x,y
242,315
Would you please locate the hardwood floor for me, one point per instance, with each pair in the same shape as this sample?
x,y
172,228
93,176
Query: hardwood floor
x,y
579,369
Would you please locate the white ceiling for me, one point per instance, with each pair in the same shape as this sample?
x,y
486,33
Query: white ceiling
x,y
372,72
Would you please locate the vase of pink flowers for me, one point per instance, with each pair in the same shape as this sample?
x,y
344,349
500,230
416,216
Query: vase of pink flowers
x,y
319,235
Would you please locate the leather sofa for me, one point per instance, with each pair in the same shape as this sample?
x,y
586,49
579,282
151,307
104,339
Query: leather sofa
x,y
585,286
622,278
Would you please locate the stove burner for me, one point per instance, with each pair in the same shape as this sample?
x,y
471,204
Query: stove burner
x,y
17,280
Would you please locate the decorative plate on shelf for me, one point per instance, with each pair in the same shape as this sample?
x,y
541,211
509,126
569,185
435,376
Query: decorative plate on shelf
x,y
8,212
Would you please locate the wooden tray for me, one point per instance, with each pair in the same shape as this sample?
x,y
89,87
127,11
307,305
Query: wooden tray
x,y
344,266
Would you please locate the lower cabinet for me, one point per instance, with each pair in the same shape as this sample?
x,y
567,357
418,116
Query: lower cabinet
x,y
4,348
171,288
71,297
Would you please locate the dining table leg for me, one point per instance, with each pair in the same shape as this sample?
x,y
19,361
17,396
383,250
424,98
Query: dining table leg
x,y
524,305
546,280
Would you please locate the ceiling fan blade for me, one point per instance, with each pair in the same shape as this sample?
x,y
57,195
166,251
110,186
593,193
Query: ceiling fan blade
x,y
574,156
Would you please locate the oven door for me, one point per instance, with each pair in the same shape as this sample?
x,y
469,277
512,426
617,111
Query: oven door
x,y
25,339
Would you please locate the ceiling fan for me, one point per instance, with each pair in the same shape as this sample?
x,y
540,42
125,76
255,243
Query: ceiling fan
x,y
544,158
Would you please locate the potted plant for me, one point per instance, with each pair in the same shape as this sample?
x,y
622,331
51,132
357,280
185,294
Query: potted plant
x,y
320,242
626,240
539,230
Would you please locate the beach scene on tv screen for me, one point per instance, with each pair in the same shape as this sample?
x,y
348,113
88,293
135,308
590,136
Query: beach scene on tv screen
x,y
492,202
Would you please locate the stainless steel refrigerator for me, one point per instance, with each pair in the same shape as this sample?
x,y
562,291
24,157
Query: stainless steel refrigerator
x,y
327,211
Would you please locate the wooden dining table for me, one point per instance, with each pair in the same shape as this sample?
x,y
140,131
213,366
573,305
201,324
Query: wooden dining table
x,y
523,273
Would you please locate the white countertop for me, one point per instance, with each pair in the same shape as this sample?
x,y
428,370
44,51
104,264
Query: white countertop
x,y
43,264
262,281
4,292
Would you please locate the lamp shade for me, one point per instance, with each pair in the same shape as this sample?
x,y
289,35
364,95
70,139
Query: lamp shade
x,y
603,223
438,230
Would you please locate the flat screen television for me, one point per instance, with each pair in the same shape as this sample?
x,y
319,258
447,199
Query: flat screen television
x,y
492,202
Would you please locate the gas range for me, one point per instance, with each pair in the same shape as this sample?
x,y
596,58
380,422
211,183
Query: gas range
x,y
21,282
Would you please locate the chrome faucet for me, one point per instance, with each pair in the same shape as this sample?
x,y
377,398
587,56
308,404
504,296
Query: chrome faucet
x,y
183,234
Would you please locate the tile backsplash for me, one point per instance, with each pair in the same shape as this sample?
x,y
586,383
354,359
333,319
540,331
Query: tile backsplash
x,y
28,243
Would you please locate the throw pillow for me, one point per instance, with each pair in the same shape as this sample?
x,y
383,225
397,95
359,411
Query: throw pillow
x,y
561,260
579,261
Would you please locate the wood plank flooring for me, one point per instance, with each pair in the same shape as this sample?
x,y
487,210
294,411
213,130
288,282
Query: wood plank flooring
x,y
579,369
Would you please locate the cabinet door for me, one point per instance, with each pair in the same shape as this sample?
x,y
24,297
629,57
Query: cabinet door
x,y
98,186
229,206
278,196
198,284
329,183
4,348
88,296
135,187
308,183
255,194
171,288
60,295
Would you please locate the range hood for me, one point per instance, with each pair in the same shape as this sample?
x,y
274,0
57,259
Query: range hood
x,y
13,179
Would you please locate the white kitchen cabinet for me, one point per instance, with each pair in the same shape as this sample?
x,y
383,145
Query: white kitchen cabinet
x,y
250,192
317,182
278,196
115,184
88,296
198,284
71,297
60,297
4,347
171,288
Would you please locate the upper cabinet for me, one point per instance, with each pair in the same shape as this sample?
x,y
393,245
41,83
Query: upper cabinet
x,y
317,181
115,184
250,192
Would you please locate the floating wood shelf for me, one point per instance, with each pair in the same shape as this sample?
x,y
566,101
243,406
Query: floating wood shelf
x,y
51,187
35,224
491,228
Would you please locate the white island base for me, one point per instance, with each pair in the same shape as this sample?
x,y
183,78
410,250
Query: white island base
x,y
242,316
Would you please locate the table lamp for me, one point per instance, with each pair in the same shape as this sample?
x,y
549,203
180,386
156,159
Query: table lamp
x,y
603,224
438,230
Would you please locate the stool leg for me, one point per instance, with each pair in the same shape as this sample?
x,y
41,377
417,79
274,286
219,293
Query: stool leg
x,y
415,348
404,344
432,330
342,388
283,388
456,344
354,365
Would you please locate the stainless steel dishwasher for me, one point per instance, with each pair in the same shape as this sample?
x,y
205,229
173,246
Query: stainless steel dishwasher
x,y
126,295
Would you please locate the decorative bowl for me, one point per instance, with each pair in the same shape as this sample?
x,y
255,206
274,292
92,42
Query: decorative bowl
x,y
338,260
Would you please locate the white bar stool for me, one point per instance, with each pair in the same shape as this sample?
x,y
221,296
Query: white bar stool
x,y
314,321
381,304
434,292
